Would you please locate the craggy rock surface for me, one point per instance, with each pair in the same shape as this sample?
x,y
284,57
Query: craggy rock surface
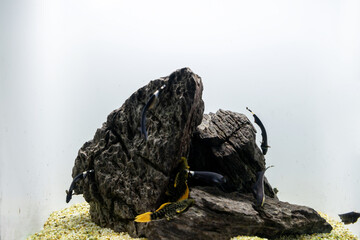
x,y
131,174
219,215
225,143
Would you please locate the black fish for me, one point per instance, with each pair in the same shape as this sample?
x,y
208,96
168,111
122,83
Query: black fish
x,y
211,178
258,188
73,184
149,105
264,144
350,217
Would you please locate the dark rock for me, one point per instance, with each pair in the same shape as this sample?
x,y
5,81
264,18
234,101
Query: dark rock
x,y
225,143
219,215
131,174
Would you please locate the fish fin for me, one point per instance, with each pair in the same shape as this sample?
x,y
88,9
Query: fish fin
x,y
185,205
269,167
153,100
181,210
162,206
145,217
263,201
186,194
185,162
176,179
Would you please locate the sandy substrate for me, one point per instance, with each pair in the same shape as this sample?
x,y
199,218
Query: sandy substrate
x,y
74,223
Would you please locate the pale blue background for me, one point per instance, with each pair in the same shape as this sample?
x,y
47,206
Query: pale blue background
x,y
65,65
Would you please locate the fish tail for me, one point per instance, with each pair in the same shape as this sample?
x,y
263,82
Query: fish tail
x,y
269,167
145,217
249,110
185,195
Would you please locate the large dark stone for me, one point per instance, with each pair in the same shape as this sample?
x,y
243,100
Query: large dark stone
x,y
219,215
225,142
131,174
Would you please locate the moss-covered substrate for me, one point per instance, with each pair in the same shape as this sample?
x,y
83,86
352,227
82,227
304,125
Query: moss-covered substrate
x,y
74,223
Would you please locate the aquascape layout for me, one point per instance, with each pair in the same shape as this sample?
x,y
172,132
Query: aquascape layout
x,y
162,169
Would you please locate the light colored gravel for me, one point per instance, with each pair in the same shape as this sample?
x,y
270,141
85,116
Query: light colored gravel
x,y
339,232
74,223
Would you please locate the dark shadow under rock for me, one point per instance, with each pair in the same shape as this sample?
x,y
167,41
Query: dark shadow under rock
x,y
219,215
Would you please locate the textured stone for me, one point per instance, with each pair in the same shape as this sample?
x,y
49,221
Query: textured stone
x,y
225,143
219,215
131,174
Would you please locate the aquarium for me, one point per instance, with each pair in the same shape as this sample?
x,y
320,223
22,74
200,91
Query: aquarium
x,y
65,66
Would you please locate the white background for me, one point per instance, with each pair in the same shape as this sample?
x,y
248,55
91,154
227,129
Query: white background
x,y
65,65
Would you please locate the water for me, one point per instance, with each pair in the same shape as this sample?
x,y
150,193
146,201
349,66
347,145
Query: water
x,y
66,65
